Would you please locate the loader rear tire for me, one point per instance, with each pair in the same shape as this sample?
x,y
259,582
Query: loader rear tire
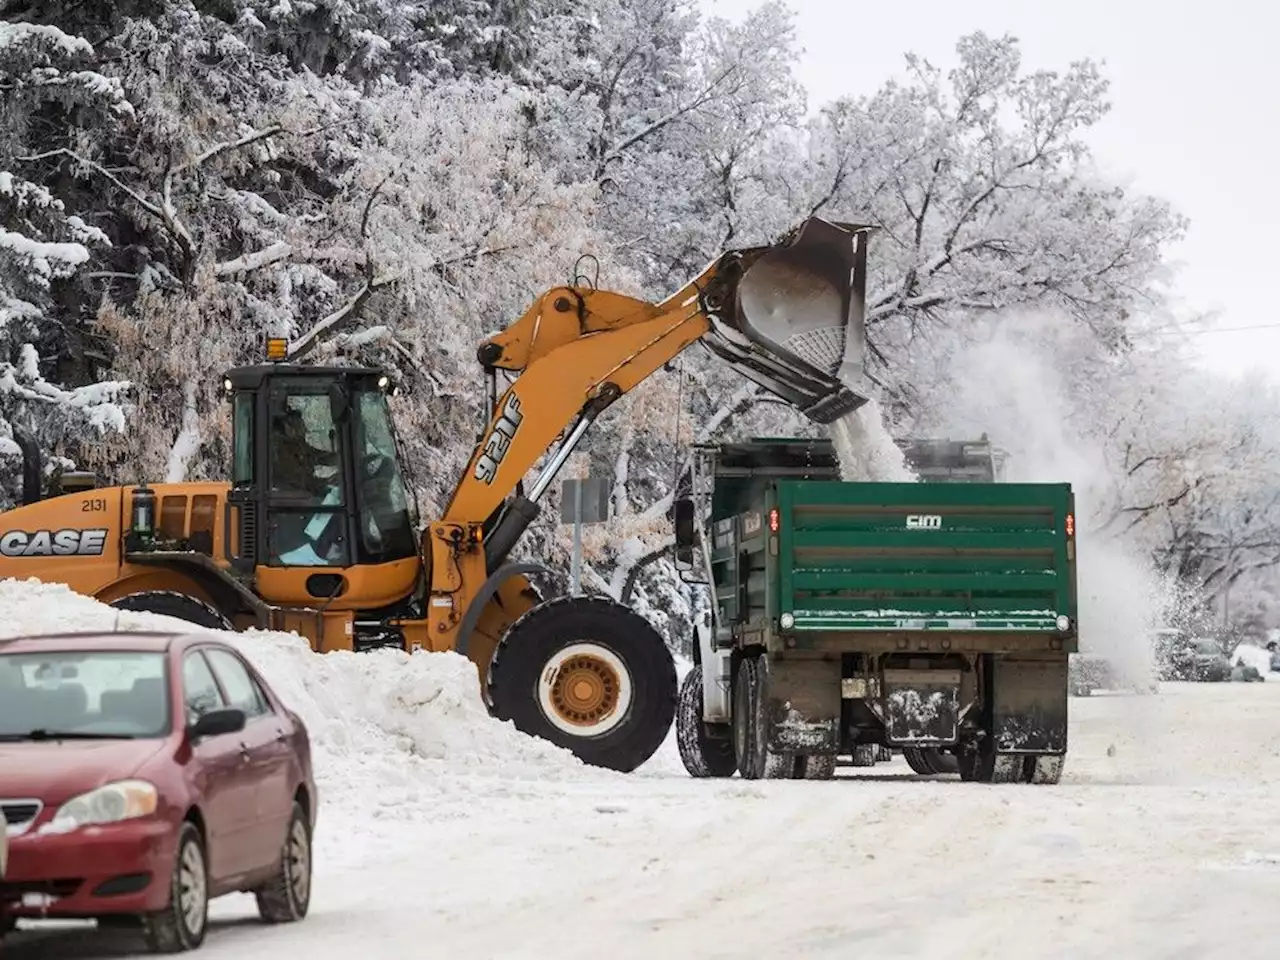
x,y
702,755
177,605
588,675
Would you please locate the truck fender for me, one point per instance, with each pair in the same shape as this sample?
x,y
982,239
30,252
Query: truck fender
x,y
717,673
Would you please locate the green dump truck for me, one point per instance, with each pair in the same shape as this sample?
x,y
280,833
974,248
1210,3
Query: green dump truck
x,y
855,616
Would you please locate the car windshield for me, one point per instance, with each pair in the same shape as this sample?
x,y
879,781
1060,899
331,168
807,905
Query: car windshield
x,y
83,695
1207,648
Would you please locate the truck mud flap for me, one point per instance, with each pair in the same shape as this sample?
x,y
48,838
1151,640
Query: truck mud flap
x,y
803,706
921,707
1029,706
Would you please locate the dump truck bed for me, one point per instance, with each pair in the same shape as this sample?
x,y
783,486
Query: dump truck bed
x,y
876,558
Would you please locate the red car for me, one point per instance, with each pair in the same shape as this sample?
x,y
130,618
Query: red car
x,y
142,774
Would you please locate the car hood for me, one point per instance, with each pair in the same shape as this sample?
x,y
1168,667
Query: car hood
x,y
55,771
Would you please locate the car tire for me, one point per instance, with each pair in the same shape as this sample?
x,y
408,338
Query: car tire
x,y
288,896
182,925
167,603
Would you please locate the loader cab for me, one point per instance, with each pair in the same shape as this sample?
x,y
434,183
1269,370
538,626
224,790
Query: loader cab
x,y
315,479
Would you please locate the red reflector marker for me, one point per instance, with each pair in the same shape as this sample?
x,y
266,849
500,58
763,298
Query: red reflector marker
x,y
1071,525
773,520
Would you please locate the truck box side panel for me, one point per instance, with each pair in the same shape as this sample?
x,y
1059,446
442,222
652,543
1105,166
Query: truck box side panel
x,y
924,556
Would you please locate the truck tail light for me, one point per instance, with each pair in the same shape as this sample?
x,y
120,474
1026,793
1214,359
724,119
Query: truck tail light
x,y
773,520
1071,525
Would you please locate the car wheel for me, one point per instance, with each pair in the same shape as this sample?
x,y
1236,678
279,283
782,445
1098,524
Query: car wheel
x,y
181,925
288,895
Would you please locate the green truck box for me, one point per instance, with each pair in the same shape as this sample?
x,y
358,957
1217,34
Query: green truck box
x,y
847,617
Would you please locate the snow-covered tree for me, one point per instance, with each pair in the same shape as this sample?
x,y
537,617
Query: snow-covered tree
x,y
49,383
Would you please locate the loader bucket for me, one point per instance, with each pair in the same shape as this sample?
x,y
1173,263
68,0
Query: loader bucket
x,y
792,317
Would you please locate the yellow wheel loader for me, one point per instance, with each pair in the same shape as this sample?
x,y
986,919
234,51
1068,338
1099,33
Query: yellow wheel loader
x,y
314,535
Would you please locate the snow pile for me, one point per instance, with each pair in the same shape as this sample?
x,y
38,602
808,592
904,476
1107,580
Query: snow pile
x,y
866,450
392,733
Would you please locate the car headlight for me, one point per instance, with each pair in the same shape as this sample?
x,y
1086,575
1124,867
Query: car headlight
x,y
110,803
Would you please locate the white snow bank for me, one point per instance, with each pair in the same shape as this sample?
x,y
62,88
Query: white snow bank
x,y
395,736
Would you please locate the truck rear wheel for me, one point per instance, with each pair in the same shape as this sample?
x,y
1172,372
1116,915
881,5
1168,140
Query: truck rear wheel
x,y
750,727
817,766
169,603
589,675
864,754
917,761
701,754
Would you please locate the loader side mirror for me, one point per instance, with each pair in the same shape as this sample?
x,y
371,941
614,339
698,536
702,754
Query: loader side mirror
x,y
683,516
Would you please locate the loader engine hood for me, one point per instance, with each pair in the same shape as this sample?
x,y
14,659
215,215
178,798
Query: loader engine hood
x,y
791,316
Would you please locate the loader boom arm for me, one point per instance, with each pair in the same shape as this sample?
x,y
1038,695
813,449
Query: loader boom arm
x,y
576,350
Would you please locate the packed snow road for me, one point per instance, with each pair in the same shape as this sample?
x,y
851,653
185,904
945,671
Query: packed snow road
x,y
441,831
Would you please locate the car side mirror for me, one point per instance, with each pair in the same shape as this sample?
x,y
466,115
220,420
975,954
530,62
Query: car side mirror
x,y
217,722
683,517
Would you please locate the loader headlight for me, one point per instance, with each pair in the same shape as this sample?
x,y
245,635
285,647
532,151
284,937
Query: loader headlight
x,y
787,620
1063,623
110,803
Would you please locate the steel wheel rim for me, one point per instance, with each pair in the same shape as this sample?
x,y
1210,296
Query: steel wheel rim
x,y
298,856
585,690
192,889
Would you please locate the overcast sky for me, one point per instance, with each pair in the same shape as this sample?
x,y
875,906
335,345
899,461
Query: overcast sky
x,y
1195,89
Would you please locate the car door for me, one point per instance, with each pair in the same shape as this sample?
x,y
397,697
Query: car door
x,y
265,740
220,775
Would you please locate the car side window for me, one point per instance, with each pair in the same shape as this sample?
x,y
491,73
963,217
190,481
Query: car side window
x,y
242,692
200,690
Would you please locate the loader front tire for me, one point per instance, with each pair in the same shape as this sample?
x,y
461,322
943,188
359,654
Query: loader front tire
x,y
177,605
588,675
701,754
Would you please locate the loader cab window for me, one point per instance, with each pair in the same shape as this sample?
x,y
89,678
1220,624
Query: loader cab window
x,y
307,525
242,431
385,527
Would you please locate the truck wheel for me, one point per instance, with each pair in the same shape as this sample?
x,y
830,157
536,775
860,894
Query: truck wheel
x,y
917,761
1046,770
589,675
941,762
750,729
884,754
864,754
702,755
978,762
817,766
170,604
